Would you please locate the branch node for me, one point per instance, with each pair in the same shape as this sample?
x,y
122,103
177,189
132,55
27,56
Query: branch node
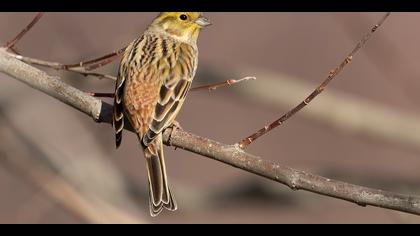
x,y
215,86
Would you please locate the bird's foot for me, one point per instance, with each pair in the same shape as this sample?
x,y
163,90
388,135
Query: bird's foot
x,y
175,125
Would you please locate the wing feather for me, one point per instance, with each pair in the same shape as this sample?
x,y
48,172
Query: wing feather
x,y
123,73
172,92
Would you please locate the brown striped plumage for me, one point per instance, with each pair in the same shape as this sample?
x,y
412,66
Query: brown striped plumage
x,y
155,75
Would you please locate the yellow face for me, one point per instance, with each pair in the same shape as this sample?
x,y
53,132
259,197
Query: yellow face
x,y
184,25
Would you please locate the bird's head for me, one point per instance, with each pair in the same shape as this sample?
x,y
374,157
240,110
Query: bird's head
x,y
184,26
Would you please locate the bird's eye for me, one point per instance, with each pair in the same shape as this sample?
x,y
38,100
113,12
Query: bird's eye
x,y
183,17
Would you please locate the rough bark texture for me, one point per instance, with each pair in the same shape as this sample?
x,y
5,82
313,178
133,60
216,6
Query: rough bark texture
x,y
229,154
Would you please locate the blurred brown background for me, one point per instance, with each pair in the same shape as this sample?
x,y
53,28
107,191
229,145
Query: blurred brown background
x,y
58,166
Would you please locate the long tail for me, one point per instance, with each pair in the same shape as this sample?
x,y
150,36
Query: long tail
x,y
159,193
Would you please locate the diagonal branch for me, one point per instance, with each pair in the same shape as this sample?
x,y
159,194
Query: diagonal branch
x,y
248,140
22,33
229,154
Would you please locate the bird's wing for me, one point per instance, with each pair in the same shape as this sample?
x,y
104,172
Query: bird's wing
x,y
118,111
123,73
181,63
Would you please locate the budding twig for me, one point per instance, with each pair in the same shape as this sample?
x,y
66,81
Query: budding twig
x,y
59,66
97,62
215,86
248,140
204,87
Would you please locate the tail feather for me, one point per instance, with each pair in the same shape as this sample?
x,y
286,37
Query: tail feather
x,y
159,193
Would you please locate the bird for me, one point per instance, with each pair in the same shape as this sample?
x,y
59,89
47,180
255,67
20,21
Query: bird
x,y
154,76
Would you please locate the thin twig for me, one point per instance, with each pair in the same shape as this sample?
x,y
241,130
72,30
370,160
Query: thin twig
x,y
14,50
209,87
16,39
73,68
228,154
248,140
81,68
215,86
59,66
97,62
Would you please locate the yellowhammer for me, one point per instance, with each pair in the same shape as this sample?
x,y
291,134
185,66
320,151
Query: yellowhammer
x,y
154,77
